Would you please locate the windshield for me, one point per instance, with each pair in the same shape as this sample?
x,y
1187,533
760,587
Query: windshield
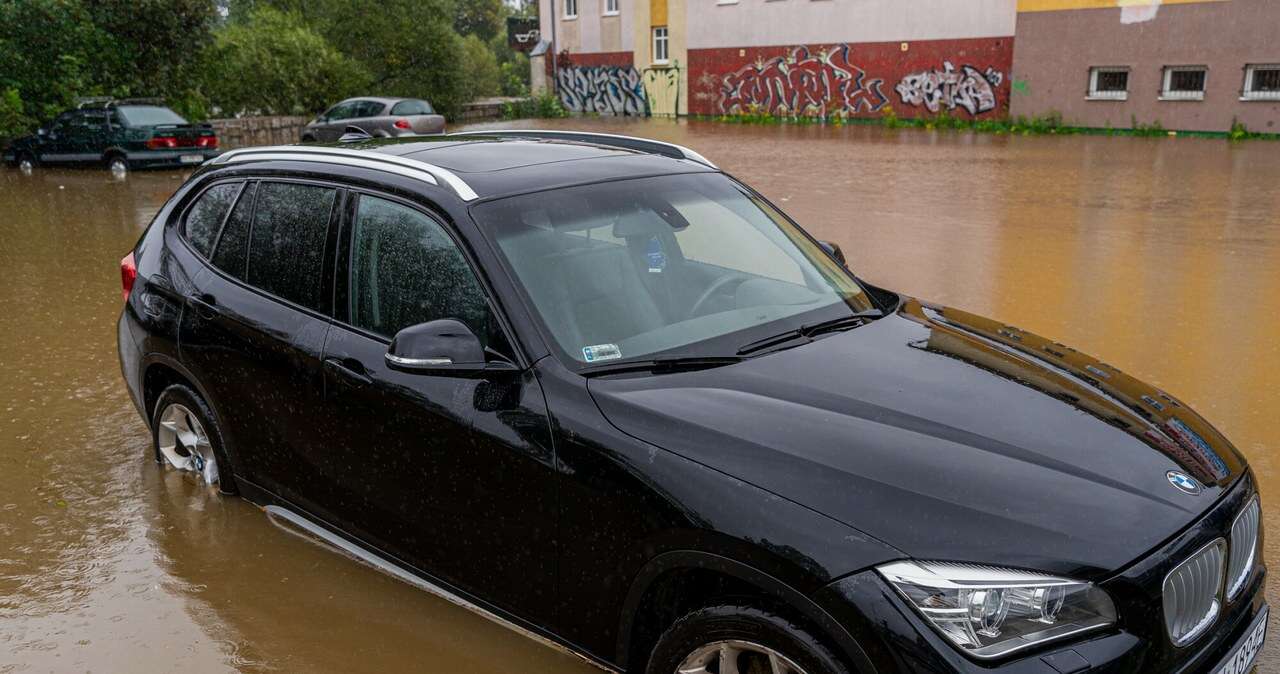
x,y
149,115
688,265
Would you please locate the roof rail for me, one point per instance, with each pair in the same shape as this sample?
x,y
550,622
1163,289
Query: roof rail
x,y
378,161
645,145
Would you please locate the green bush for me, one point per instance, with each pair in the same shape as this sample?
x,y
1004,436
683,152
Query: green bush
x,y
272,63
543,105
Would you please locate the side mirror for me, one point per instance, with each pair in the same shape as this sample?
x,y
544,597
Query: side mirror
x,y
835,251
444,346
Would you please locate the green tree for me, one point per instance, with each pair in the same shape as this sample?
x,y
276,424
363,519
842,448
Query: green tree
x,y
270,62
483,18
479,68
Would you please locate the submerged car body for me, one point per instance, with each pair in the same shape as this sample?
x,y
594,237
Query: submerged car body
x,y
119,135
663,418
376,116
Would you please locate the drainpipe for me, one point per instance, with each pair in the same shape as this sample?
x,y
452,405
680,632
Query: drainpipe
x,y
555,85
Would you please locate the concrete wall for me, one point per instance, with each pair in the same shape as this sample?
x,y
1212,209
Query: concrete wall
x,y
964,78
1055,50
762,23
251,131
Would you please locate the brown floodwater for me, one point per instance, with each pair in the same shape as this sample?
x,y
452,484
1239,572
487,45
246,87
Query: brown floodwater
x,y
1161,256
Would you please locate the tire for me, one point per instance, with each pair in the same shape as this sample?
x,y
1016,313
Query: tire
x,y
186,435
697,642
308,139
117,163
25,162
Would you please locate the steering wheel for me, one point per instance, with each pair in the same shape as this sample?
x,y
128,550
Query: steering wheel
x,y
716,287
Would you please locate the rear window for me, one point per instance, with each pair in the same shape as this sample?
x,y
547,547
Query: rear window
x,y
148,115
412,108
286,242
204,218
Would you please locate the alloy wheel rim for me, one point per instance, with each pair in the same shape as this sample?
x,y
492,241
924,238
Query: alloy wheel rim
x,y
737,657
26,165
185,445
118,166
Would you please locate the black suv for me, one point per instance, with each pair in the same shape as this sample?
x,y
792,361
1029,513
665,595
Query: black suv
x,y
602,392
118,135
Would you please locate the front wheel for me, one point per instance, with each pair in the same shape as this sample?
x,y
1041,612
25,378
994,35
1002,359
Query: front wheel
x,y
740,640
117,164
186,436
26,163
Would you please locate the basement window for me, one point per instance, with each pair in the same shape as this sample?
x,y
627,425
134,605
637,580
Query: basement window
x,y
1184,83
1108,84
1261,83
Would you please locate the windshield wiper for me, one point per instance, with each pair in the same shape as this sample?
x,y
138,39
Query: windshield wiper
x,y
661,365
808,331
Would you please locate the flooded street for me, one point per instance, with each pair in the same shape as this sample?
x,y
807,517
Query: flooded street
x,y
1160,256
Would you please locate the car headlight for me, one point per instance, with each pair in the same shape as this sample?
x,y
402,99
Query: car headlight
x,y
989,611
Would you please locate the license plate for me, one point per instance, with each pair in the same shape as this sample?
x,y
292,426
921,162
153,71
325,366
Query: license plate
x,y
191,159
1239,661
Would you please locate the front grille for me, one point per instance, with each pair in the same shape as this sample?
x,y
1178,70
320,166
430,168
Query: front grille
x,y
1193,592
1244,547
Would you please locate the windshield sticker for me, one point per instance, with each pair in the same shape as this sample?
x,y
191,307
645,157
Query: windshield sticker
x,y
657,258
599,352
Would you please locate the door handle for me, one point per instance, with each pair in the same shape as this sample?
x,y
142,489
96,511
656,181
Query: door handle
x,y
206,306
346,370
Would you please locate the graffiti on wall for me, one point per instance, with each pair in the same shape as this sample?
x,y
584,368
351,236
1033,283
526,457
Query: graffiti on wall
x,y
802,83
607,90
968,88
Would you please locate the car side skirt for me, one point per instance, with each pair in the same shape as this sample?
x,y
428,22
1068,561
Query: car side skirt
x,y
299,524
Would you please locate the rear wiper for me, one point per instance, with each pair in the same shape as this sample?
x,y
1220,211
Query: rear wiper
x,y
661,365
805,331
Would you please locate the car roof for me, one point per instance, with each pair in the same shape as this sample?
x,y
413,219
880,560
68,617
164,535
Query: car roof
x,y
385,100
490,164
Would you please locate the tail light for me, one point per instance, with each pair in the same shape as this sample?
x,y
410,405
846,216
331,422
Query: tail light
x,y
162,143
128,274
402,124
210,142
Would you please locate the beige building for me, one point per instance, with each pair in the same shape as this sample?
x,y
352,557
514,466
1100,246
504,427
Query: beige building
x,y
1192,65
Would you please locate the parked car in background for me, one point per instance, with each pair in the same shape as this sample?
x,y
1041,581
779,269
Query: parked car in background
x,y
116,134
378,117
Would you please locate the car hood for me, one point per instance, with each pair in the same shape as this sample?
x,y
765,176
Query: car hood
x,y
948,436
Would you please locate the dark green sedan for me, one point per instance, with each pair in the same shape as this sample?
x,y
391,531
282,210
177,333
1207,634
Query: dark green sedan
x,y
118,135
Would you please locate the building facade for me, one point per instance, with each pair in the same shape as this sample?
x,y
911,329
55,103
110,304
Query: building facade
x,y
782,57
1185,64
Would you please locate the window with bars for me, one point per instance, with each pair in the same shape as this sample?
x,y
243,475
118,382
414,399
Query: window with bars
x,y
1184,83
1262,83
1109,84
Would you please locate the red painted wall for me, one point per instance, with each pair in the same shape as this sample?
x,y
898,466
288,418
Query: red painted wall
x,y
855,79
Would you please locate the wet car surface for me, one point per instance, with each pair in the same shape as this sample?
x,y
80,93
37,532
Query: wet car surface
x,y
1136,255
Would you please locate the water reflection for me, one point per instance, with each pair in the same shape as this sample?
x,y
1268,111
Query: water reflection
x,y
1162,257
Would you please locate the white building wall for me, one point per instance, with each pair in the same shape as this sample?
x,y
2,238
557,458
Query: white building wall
x,y
762,23
591,32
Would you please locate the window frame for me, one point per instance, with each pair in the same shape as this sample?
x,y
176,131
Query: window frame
x,y
343,261
1095,95
666,45
185,214
1246,91
1166,80
617,8
566,15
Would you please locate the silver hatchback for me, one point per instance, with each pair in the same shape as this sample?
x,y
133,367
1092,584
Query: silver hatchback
x,y
378,117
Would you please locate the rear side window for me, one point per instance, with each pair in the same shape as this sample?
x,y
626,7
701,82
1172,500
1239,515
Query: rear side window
x,y
286,242
204,218
233,244
412,108
405,270
369,108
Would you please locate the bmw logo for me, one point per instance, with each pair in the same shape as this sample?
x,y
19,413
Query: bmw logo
x,y
1185,483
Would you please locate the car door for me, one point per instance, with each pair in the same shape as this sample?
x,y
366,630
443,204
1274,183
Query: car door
x,y
253,330
56,146
453,475
335,121
367,116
